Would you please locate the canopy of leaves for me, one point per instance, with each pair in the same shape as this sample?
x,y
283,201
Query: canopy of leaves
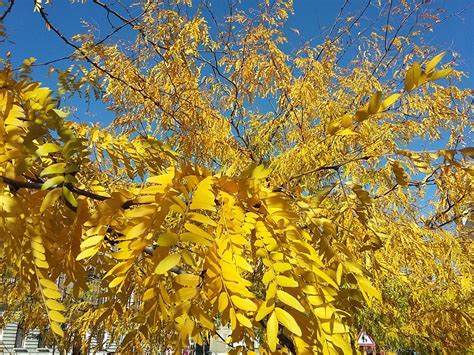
x,y
241,183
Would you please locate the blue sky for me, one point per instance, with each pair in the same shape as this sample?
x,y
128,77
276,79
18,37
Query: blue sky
x,y
313,18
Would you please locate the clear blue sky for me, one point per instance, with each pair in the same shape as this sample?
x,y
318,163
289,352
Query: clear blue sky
x,y
312,18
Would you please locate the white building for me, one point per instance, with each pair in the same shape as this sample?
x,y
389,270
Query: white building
x,y
14,340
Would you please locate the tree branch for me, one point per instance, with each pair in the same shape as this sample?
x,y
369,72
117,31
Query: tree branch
x,y
7,11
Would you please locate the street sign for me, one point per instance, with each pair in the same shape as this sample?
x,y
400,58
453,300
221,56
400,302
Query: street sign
x,y
365,339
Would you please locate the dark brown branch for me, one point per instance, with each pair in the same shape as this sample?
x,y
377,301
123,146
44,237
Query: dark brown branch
x,y
347,29
37,186
105,72
15,184
7,11
432,220
453,219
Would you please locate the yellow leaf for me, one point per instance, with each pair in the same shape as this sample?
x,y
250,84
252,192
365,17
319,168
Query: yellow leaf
x,y
188,280
367,287
185,293
56,328
272,332
198,217
282,267
320,273
196,230
410,81
265,308
287,320
48,284
416,73
346,121
87,253
374,103
285,281
243,304
361,114
124,254
56,316
243,320
440,74
205,321
117,281
339,274
48,293
92,241
141,211
38,247
167,263
388,102
167,239
243,264
203,198
149,294
194,238
260,172
238,288
433,62
347,132
222,302
60,113
38,255
55,305
137,231
333,327
50,198
400,175
139,244
333,127
41,264
290,300
233,319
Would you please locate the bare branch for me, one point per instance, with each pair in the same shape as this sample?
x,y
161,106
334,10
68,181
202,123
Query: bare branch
x,y
7,11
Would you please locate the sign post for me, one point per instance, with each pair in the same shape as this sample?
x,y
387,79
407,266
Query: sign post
x,y
366,343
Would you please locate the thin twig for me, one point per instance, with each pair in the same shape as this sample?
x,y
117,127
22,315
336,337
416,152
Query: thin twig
x,y
7,11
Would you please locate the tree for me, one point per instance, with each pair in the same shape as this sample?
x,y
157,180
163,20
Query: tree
x,y
242,183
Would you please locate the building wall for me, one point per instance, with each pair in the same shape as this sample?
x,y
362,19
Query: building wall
x,y
31,343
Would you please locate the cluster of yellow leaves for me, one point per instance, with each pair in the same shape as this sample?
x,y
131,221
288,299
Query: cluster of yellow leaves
x,y
201,242
148,239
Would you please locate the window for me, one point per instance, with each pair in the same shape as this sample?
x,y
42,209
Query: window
x,y
20,337
41,339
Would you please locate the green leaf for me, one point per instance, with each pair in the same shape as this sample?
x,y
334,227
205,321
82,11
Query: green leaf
x,y
57,180
47,148
61,114
57,168
69,196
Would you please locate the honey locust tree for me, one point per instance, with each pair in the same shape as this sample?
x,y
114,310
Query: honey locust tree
x,y
279,190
